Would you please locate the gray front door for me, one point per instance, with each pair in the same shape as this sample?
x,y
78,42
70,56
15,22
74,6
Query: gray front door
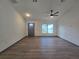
x,y
31,27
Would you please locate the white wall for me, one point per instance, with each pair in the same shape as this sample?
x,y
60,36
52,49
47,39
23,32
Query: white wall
x,y
69,25
12,25
38,28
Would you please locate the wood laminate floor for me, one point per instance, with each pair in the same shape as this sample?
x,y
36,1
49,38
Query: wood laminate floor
x,y
41,48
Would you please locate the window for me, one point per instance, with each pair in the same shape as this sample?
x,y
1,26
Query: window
x,y
44,28
47,28
50,28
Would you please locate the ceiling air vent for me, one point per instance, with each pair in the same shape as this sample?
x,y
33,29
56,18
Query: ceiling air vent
x,y
14,1
34,0
62,1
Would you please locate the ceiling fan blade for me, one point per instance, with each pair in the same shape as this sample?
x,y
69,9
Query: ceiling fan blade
x,y
56,12
51,11
55,15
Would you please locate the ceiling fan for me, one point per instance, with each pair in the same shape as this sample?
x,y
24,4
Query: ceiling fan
x,y
47,15
53,14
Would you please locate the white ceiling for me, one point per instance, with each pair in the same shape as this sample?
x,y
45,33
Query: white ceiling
x,y
42,8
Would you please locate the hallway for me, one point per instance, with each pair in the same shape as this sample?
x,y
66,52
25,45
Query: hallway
x,y
41,48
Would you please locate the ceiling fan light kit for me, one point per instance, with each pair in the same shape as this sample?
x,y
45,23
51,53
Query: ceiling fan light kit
x,y
51,16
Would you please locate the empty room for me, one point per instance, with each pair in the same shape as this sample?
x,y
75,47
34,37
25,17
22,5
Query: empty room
x,y
39,29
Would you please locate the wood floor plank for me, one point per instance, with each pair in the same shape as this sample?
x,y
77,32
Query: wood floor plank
x,y
41,48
